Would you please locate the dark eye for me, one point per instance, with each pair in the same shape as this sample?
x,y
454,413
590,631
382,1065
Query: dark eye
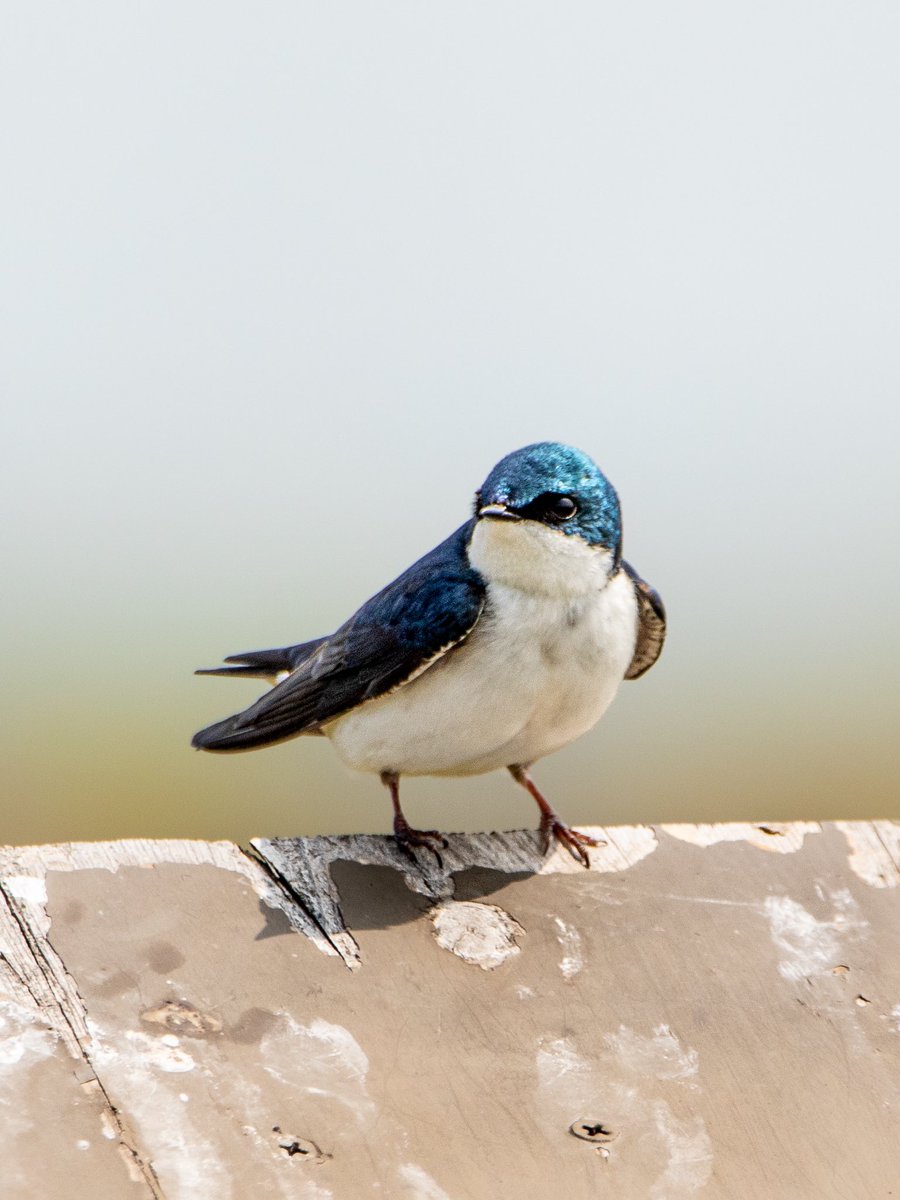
x,y
559,508
551,507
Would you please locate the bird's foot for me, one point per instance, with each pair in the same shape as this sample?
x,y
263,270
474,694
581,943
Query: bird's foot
x,y
430,839
554,829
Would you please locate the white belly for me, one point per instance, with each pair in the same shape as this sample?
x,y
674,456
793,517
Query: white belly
x,y
536,672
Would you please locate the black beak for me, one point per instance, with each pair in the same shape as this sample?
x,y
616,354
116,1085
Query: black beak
x,y
498,511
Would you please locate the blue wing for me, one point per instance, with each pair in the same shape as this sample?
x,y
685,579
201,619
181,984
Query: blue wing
x,y
651,625
394,636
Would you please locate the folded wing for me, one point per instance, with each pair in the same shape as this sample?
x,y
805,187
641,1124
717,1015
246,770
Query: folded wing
x,y
651,625
395,636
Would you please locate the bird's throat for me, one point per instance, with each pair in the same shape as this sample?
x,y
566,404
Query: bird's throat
x,y
536,559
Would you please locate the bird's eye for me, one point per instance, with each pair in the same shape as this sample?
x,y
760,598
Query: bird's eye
x,y
559,508
552,508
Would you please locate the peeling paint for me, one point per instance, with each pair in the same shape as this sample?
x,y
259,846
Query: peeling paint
x,y
481,934
689,1150
189,1163
781,838
163,1053
870,857
24,1037
420,1184
32,889
661,1055
809,946
321,1059
570,940
622,846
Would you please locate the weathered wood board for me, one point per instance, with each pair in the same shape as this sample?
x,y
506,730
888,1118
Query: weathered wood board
x,y
710,1012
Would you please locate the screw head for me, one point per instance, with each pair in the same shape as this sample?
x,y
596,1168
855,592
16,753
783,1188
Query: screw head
x,y
593,1131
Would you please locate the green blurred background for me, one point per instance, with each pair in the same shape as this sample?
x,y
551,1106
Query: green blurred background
x,y
281,282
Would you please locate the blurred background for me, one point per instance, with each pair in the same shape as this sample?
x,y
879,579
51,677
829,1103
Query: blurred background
x,y
281,282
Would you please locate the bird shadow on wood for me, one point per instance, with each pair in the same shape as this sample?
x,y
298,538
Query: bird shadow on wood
x,y
368,882
378,897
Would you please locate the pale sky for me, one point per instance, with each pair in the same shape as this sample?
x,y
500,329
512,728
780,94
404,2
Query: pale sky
x,y
281,282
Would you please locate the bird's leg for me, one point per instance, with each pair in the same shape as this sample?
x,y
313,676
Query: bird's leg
x,y
406,836
552,825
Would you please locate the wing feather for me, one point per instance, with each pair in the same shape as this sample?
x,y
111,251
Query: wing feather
x,y
395,636
651,625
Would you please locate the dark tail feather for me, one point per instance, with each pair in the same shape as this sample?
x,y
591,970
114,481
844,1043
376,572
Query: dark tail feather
x,y
242,672
263,664
230,734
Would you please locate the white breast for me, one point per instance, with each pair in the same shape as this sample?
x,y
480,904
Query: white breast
x,y
540,668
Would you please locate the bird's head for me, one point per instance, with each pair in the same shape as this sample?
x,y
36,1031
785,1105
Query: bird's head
x,y
553,499
558,486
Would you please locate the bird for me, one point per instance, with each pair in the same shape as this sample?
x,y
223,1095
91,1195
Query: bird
x,y
500,646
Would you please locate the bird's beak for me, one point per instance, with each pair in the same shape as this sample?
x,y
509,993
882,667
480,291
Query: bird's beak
x,y
498,510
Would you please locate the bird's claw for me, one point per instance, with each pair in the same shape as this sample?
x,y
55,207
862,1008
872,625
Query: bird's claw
x,y
553,829
430,839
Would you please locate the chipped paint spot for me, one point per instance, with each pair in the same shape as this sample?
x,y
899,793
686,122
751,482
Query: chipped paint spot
x,y
558,1057
162,1053
481,934
689,1150
25,1041
314,1191
420,1184
771,835
321,1059
188,1164
180,1017
624,845
24,1038
660,1055
870,857
570,940
809,946
30,888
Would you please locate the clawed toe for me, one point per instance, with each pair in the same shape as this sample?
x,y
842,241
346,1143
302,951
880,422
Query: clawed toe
x,y
430,839
554,829
405,836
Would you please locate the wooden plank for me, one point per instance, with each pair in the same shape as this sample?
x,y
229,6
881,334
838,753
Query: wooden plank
x,y
715,1010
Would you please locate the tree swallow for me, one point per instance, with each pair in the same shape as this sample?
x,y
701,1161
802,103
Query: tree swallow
x,y
504,643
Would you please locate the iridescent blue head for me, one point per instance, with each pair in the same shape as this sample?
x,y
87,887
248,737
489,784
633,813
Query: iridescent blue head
x,y
558,486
